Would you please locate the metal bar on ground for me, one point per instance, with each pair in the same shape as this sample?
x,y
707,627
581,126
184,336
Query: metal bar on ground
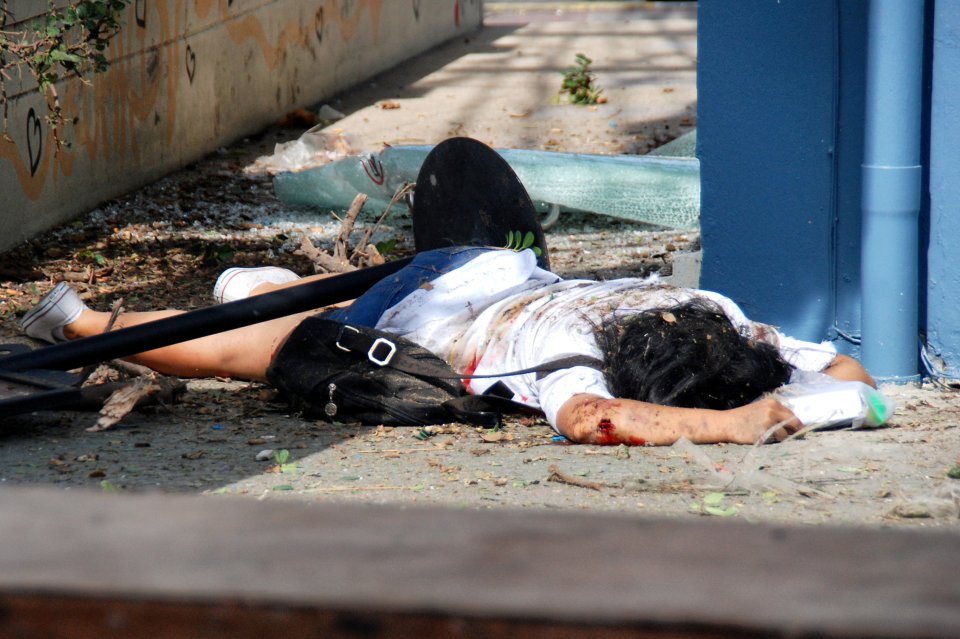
x,y
201,322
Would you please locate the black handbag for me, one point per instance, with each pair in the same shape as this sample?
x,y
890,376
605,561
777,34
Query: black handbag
x,y
340,372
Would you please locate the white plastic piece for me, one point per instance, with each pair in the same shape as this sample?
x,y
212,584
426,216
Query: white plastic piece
x,y
821,401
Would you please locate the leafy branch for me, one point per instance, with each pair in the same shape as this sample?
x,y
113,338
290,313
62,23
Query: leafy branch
x,y
65,41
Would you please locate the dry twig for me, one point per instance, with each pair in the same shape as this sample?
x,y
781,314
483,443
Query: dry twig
x,y
363,246
340,248
561,477
123,400
322,262
339,262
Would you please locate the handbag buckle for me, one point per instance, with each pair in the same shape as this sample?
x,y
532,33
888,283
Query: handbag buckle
x,y
340,336
391,349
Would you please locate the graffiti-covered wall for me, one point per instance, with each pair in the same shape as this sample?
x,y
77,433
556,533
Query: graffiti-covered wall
x,y
188,76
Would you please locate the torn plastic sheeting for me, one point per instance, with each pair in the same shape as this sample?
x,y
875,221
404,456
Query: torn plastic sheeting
x,y
683,147
651,189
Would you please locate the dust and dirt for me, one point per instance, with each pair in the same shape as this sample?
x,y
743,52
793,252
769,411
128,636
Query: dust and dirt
x,y
164,245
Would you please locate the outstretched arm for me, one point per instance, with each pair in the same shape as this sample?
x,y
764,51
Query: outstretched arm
x,y
849,370
590,419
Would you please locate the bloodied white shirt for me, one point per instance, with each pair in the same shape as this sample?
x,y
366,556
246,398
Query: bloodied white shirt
x,y
500,312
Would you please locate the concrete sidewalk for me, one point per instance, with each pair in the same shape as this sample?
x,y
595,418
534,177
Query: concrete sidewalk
x,y
164,245
500,85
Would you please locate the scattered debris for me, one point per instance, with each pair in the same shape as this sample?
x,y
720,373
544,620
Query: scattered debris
x,y
747,475
713,504
495,436
329,114
314,148
265,455
942,504
137,392
299,119
561,477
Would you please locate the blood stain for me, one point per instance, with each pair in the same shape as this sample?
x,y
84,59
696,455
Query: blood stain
x,y
606,433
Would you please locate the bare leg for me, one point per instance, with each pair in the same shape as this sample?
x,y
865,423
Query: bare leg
x,y
244,352
269,287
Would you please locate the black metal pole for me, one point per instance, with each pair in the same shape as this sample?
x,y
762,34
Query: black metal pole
x,y
201,322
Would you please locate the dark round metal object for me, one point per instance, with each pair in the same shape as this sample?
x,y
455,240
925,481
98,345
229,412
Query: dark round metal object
x,y
468,195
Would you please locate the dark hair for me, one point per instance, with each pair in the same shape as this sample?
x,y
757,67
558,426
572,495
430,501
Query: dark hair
x,y
689,355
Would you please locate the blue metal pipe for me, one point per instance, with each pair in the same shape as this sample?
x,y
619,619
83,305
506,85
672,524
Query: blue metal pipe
x,y
891,190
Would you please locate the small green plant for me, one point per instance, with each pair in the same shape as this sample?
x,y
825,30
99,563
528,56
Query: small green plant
x,y
282,456
518,241
89,256
217,254
579,83
713,504
64,41
387,247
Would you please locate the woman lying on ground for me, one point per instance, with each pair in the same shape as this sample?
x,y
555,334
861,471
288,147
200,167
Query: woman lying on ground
x,y
675,362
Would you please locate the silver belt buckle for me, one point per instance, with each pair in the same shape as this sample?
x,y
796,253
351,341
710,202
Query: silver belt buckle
x,y
342,329
389,355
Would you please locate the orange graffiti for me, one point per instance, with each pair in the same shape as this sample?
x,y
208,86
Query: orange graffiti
x,y
120,114
349,24
203,7
251,28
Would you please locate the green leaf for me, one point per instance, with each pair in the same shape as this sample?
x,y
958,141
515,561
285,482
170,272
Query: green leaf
x,y
282,456
528,240
386,247
713,499
283,487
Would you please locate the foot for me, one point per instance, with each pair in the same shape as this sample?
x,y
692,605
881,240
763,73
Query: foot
x,y
59,308
238,283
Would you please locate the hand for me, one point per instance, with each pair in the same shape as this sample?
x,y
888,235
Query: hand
x,y
747,424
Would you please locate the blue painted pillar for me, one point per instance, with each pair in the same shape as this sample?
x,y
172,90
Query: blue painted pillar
x,y
769,103
943,253
891,189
